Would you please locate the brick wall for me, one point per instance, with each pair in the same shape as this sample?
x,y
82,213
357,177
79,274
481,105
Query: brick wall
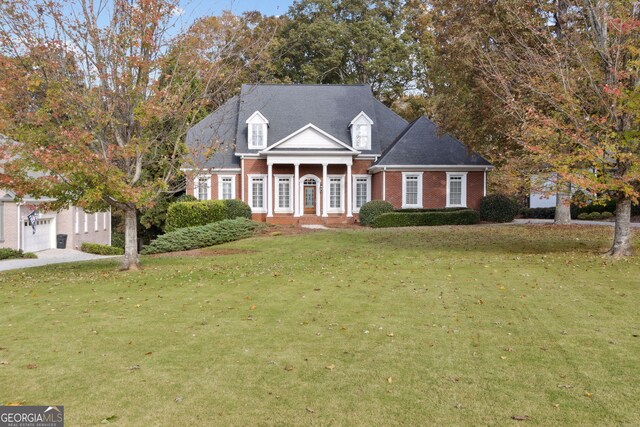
x,y
475,189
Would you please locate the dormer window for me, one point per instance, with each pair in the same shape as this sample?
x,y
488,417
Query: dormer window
x,y
361,132
257,131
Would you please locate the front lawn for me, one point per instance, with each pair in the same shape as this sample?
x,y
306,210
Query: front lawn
x,y
436,326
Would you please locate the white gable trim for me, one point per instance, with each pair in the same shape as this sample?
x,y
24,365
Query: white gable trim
x,y
362,115
257,117
317,129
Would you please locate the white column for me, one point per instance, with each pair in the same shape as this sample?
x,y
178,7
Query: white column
x,y
325,191
242,179
349,188
270,191
296,190
384,184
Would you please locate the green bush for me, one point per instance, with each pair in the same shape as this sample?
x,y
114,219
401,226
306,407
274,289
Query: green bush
x,y
7,253
583,216
203,236
191,214
538,213
98,249
595,216
606,215
498,208
185,198
237,209
117,240
371,210
434,217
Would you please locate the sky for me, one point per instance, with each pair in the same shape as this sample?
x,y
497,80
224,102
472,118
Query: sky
x,y
194,9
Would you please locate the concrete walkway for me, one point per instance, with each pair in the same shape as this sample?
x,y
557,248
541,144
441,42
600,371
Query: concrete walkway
x,y
573,221
50,256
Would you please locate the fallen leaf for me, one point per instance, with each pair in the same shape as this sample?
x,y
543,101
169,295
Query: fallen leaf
x,y
4,362
253,307
309,410
503,357
133,367
178,399
32,366
391,334
520,417
390,380
16,403
288,368
148,353
565,386
587,394
109,419
330,367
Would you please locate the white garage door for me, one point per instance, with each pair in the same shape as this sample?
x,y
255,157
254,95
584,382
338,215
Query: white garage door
x,y
44,237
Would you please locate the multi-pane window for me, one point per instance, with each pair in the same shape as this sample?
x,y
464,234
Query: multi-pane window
x,y
362,136
283,202
257,193
362,192
226,184
203,188
411,190
456,189
335,193
257,135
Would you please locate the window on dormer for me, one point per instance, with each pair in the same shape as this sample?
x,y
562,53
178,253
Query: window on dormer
x,y
257,131
362,136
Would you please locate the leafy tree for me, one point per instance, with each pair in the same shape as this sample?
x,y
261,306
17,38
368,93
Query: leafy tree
x,y
565,74
349,41
97,98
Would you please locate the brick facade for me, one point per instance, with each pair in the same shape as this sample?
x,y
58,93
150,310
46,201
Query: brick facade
x,y
434,188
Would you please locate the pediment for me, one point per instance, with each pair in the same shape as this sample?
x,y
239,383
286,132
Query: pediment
x,y
310,137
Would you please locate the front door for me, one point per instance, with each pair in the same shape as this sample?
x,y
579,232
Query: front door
x,y
309,199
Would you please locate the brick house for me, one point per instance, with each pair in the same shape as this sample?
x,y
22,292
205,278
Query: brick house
x,y
317,153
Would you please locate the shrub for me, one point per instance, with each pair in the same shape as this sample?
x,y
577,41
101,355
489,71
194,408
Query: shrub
x,y
606,215
583,216
191,214
237,209
98,249
203,236
8,253
117,240
185,198
434,217
498,208
371,210
594,216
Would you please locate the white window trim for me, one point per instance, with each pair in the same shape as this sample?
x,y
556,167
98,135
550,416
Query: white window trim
x,y
95,222
220,187
104,220
405,175
86,222
263,142
196,187
342,196
263,209
463,175
278,209
355,187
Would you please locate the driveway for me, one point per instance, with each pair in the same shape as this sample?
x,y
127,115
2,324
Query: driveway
x,y
573,221
50,256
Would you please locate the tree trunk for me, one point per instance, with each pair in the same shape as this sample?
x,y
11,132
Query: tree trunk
x,y
622,238
130,259
563,204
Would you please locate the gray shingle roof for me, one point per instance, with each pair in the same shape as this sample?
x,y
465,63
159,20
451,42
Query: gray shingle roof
x,y
421,144
288,108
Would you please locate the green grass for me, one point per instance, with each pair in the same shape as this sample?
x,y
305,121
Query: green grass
x,y
435,326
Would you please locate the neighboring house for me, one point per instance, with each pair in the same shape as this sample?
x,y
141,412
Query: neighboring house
x,y
317,153
16,231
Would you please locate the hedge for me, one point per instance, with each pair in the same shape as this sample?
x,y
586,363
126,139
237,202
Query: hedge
x,y
498,208
431,217
191,214
7,253
203,236
98,249
371,210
